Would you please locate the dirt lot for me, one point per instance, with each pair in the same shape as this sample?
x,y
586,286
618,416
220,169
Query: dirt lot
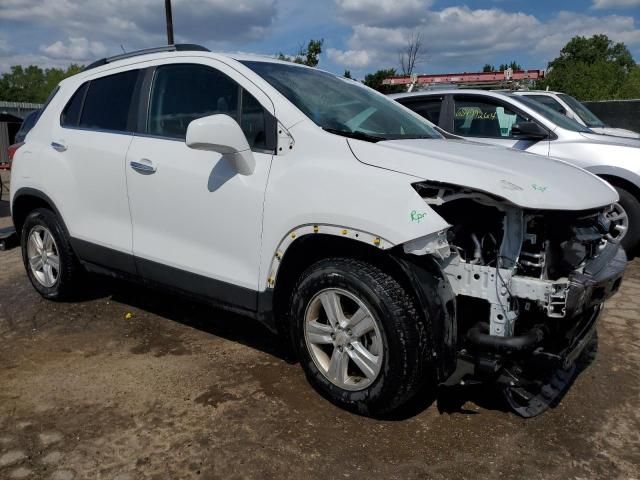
x,y
183,391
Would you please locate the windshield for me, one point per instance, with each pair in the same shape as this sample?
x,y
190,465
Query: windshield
x,y
583,112
550,114
342,106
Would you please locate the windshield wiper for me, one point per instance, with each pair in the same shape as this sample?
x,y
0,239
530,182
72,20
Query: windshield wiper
x,y
355,134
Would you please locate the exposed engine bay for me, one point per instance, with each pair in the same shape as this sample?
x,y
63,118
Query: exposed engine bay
x,y
529,286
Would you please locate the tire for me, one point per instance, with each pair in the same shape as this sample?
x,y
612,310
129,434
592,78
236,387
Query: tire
x,y
396,336
631,241
54,283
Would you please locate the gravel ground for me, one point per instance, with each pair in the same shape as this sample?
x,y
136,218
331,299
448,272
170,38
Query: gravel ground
x,y
136,384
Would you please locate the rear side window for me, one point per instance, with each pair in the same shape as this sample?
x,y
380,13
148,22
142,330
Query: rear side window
x,y
427,108
107,102
71,114
549,102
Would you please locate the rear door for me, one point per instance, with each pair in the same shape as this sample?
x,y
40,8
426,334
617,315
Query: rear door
x,y
91,142
489,120
197,223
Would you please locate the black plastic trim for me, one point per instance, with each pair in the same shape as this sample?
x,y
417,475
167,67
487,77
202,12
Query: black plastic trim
x,y
104,256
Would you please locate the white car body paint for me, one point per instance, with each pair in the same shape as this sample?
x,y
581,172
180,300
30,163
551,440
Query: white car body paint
x,y
198,216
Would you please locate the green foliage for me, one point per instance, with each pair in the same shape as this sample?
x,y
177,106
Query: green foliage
x,y
374,80
32,84
515,66
347,74
309,55
631,86
592,68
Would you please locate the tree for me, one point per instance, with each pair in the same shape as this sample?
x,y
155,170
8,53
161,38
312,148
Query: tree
x,y
31,83
488,68
412,54
515,66
347,74
374,80
309,55
592,68
631,86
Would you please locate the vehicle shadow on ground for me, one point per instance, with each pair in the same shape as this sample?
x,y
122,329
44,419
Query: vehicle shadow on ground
x,y
187,311
251,333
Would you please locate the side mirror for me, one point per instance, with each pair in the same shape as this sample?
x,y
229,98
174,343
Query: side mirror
x,y
222,134
529,131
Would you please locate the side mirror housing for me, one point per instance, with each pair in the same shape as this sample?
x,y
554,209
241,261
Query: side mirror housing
x,y
529,131
222,134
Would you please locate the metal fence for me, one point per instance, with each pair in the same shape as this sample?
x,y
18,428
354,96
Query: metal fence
x,y
618,113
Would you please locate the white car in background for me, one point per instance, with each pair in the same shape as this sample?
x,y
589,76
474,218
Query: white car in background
x,y
572,108
522,123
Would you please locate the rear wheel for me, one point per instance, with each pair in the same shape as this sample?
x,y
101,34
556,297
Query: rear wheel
x,y
626,217
360,338
48,258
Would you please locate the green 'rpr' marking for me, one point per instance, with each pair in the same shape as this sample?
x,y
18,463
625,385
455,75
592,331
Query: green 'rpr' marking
x,y
538,188
417,216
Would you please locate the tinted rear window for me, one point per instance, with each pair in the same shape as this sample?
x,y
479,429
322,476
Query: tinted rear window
x,y
107,102
71,113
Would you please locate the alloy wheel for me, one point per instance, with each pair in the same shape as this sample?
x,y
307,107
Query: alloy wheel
x,y
44,259
343,339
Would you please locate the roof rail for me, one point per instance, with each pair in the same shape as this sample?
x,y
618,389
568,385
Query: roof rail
x,y
180,47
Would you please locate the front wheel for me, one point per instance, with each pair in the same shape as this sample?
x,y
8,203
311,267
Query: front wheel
x,y
360,338
625,216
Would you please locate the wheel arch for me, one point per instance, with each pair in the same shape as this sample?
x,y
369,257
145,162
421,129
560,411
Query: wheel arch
x,y
621,182
26,200
419,275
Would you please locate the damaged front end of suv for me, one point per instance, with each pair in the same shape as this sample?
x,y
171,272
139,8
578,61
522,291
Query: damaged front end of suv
x,y
529,287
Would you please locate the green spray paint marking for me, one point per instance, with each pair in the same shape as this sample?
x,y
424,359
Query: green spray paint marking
x,y
417,216
538,188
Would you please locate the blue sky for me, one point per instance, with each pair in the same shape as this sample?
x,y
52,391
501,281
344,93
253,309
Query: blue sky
x,y
360,35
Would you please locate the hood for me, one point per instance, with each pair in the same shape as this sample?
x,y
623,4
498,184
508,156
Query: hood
x,y
616,132
612,138
527,180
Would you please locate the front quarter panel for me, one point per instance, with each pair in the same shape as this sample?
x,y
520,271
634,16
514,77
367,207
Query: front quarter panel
x,y
320,187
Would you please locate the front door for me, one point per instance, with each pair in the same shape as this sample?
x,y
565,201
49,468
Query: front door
x,y
487,120
197,223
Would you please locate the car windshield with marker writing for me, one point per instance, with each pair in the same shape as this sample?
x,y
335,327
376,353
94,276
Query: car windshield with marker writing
x,y
343,107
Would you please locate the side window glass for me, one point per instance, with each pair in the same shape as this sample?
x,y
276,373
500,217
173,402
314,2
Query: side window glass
x,y
429,109
253,121
183,93
108,100
484,118
71,114
549,102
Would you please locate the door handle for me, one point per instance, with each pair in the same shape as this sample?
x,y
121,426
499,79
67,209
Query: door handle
x,y
58,146
145,168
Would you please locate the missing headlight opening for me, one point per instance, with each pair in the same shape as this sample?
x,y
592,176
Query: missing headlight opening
x,y
525,280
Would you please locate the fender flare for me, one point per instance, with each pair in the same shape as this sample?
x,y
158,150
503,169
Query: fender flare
x,y
317,228
33,192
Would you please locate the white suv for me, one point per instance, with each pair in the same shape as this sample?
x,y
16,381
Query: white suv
x,y
390,257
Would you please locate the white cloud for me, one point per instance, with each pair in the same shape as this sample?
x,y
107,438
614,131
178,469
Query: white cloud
x,y
141,23
387,12
76,49
461,36
351,58
602,4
